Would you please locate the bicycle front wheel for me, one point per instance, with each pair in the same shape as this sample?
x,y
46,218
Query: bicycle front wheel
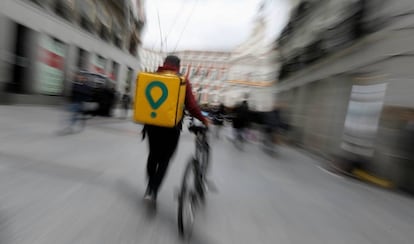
x,y
187,200
203,160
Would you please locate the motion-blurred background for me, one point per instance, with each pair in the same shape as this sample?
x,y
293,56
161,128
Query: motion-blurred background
x,y
338,74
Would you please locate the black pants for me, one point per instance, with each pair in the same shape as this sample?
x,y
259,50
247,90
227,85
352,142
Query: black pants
x,y
239,134
162,144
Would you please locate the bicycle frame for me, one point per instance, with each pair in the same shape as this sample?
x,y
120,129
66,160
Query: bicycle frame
x,y
202,150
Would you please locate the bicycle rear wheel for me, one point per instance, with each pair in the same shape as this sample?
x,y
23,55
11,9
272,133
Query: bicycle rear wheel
x,y
187,200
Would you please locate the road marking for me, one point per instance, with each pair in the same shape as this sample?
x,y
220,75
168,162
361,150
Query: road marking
x,y
329,172
360,174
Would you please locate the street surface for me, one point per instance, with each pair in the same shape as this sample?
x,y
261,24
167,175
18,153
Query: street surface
x,y
88,188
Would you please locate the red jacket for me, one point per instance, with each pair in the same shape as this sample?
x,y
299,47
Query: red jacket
x,y
190,102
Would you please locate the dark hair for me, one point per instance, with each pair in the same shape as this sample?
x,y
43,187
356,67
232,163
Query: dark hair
x,y
172,60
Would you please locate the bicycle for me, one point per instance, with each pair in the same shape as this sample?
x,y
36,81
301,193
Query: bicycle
x,y
193,185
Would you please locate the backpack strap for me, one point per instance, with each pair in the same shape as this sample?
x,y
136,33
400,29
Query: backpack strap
x,y
144,132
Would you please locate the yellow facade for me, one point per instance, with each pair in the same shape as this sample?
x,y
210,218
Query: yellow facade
x,y
159,99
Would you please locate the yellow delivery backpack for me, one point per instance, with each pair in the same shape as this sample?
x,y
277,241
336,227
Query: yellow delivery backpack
x,y
159,98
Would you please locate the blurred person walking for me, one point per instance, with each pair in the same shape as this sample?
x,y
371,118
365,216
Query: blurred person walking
x,y
125,103
270,129
106,100
240,123
218,119
163,141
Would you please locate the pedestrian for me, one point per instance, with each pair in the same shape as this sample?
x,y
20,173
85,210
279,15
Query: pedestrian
x,y
270,129
125,103
218,119
112,99
107,100
240,122
163,140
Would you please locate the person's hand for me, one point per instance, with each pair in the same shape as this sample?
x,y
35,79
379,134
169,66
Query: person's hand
x,y
206,122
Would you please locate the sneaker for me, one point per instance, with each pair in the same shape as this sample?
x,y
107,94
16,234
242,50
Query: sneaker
x,y
150,195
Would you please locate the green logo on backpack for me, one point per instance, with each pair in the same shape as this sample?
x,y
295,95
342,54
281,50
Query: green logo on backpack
x,y
155,104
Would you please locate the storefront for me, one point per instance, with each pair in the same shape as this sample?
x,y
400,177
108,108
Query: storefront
x,y
50,65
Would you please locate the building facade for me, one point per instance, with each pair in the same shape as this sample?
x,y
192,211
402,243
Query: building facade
x,y
44,42
254,68
346,74
250,71
207,71
150,59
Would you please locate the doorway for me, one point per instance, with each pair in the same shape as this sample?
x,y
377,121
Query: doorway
x,y
21,60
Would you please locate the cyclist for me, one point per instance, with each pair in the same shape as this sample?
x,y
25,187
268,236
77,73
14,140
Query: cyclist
x,y
80,93
162,140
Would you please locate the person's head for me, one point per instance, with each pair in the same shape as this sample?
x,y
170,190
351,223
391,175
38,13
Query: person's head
x,y
171,63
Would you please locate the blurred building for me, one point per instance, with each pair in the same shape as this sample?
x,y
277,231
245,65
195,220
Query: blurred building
x,y
346,74
43,42
248,72
207,71
254,69
150,59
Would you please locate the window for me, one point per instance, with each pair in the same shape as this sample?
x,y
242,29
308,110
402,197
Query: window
x,y
129,78
133,46
117,42
85,23
63,10
103,33
115,70
59,9
82,59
